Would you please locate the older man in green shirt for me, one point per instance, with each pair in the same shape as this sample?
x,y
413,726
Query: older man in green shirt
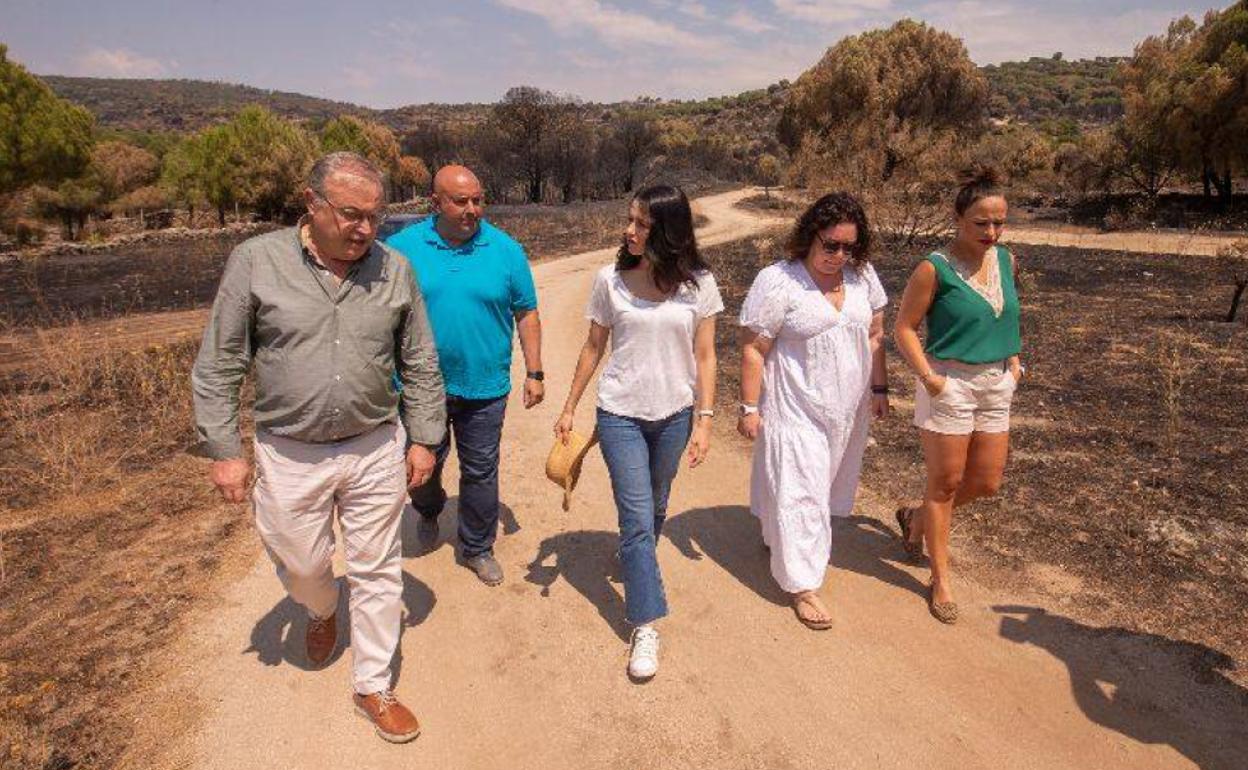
x,y
326,315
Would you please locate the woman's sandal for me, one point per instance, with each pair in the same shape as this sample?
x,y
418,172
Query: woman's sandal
x,y
914,549
945,612
811,623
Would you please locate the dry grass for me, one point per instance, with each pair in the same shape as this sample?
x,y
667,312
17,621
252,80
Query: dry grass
x,y
107,534
547,232
67,288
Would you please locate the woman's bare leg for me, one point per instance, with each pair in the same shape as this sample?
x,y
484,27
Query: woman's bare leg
x,y
985,467
945,457
981,476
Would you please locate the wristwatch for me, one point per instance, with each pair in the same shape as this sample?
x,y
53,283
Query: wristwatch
x,y
538,375
747,409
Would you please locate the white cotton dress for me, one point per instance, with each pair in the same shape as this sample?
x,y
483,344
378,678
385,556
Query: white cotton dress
x,y
815,410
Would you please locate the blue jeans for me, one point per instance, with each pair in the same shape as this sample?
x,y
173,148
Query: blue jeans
x,y
642,457
478,428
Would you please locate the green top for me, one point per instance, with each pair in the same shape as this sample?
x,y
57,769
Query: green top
x,y
961,325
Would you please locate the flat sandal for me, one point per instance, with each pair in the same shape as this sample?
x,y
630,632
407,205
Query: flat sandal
x,y
945,612
913,549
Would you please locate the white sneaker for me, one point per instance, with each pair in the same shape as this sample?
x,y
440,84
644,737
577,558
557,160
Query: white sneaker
x,y
643,661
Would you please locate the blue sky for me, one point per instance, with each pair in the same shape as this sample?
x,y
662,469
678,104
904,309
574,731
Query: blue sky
x,y
385,53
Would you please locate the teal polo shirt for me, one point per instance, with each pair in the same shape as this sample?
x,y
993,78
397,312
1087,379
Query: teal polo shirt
x,y
472,293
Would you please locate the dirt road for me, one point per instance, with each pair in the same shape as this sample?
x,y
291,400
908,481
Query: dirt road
x,y
1159,242
531,674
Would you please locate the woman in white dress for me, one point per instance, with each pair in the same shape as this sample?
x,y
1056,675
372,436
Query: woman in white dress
x,y
812,376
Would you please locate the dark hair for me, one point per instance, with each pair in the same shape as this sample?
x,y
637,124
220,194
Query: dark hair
x,y
830,210
671,246
976,183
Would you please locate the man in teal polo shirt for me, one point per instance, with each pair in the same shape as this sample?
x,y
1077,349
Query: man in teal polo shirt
x,y
478,290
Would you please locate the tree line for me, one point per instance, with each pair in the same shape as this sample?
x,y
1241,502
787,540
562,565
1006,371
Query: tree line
x,y
893,114
534,146
889,113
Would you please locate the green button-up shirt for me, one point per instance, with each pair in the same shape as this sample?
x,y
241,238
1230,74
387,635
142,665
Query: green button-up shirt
x,y
324,351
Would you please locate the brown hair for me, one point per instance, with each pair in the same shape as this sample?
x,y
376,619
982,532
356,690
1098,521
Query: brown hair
x,y
832,209
976,183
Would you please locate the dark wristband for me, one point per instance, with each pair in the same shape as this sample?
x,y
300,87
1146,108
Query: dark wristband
x,y
879,390
538,375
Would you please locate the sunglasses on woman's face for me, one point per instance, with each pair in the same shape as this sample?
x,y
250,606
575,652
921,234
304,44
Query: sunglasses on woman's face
x,y
831,247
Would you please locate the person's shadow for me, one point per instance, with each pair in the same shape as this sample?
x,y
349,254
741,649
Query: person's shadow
x,y
869,547
277,637
1148,687
586,559
448,526
730,536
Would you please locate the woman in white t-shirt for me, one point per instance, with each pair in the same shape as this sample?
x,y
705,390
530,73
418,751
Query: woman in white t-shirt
x,y
657,305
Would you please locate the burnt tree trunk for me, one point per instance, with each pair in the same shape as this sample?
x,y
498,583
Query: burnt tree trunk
x,y
1235,298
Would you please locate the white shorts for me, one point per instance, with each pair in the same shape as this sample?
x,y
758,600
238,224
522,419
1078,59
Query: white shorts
x,y
976,399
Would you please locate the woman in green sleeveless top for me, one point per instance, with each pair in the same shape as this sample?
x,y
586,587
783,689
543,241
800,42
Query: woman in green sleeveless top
x,y
968,369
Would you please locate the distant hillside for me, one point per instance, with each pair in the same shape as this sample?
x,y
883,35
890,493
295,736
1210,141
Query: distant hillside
x,y
1042,89
1032,91
184,105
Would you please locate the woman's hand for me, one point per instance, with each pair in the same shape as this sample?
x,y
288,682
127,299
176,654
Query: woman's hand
x,y
935,384
748,425
879,405
1016,371
563,427
700,441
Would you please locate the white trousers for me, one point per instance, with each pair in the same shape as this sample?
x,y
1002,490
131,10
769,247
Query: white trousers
x,y
298,488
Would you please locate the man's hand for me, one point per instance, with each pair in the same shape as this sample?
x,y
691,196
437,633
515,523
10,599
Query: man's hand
x,y
534,392
420,462
231,478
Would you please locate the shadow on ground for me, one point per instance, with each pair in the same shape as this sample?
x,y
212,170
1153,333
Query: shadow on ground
x,y
586,559
729,536
869,547
448,526
1150,688
277,637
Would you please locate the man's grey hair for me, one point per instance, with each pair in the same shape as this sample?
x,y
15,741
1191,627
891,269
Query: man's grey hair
x,y
344,162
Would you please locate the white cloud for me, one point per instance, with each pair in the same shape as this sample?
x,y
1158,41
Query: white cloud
x,y
119,63
746,22
1020,30
830,12
617,28
695,9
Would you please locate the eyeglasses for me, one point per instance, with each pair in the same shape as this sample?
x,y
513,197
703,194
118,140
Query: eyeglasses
x,y
832,247
353,216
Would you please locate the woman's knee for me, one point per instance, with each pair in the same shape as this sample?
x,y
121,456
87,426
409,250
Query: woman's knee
x,y
943,487
976,487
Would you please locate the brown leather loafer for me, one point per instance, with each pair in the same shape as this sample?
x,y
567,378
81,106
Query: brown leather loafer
x,y
391,719
321,639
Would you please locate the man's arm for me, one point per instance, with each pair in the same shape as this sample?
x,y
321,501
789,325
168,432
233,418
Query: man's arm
x,y
528,324
224,356
529,329
416,362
